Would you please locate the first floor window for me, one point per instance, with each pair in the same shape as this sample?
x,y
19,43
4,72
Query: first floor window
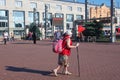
x,y
3,15
31,17
49,16
69,17
79,17
18,18
69,26
58,15
18,32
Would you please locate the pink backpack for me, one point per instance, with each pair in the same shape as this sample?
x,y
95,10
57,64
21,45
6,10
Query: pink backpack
x,y
57,46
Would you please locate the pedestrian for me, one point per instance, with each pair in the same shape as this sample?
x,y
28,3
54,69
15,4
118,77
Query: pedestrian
x,y
5,37
64,55
30,36
11,36
80,37
57,35
34,37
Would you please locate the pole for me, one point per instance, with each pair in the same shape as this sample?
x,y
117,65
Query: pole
x,y
78,62
46,20
34,15
86,10
113,34
34,27
8,27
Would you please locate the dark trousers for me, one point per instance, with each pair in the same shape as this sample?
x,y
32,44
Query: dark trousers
x,y
34,41
5,40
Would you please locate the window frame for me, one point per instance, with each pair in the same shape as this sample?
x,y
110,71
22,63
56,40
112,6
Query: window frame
x,y
2,2
79,9
59,7
33,5
18,3
21,19
72,17
59,15
69,8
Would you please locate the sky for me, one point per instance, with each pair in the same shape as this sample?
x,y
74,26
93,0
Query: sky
x,y
107,2
99,2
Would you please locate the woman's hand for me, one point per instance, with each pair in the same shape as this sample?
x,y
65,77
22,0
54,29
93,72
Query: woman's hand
x,y
77,45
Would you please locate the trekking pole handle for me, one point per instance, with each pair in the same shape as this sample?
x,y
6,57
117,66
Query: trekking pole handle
x,y
77,45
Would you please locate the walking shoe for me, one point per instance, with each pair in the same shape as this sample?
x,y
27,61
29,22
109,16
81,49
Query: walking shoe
x,y
68,73
55,72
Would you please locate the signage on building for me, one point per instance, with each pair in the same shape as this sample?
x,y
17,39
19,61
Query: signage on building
x,y
57,21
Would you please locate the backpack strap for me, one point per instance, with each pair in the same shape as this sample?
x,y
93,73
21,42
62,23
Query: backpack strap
x,y
64,41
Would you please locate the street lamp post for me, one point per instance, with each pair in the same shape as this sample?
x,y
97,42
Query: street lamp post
x,y
113,34
86,10
34,15
46,20
34,27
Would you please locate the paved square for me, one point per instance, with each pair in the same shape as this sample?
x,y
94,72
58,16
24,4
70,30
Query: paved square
x,y
23,60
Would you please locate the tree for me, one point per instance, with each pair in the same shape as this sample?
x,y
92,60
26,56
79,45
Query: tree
x,y
90,30
93,29
98,29
35,29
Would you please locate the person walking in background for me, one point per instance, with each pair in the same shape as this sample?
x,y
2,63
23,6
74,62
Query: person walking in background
x,y
34,37
5,37
57,35
30,36
11,36
63,56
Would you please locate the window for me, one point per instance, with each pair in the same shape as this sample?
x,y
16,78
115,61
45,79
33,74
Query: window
x,y
1,32
58,15
18,18
69,26
30,14
31,17
3,24
18,32
49,16
3,18
79,9
58,7
33,5
69,8
79,17
18,3
2,2
69,17
3,13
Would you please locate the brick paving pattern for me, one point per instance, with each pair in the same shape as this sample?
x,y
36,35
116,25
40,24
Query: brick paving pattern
x,y
23,60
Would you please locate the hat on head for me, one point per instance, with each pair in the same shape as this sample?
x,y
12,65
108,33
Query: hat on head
x,y
68,33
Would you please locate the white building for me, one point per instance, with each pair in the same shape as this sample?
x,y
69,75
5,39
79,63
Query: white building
x,y
16,14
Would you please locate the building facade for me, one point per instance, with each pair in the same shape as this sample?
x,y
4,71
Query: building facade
x,y
100,11
16,15
103,11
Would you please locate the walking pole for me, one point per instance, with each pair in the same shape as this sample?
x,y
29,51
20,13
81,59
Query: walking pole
x,y
78,62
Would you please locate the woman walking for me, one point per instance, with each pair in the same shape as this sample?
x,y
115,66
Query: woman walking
x,y
63,57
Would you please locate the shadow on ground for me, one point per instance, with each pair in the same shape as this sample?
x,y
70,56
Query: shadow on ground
x,y
38,43
18,69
